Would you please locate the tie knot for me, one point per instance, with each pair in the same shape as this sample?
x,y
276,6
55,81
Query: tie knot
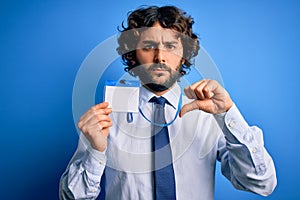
x,y
158,100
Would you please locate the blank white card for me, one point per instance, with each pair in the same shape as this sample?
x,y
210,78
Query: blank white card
x,y
122,99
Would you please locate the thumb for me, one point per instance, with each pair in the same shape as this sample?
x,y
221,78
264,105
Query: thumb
x,y
189,107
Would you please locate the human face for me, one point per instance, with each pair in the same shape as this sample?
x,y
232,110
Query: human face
x,y
159,53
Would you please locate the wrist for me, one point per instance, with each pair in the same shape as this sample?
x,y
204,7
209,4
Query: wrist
x,y
100,145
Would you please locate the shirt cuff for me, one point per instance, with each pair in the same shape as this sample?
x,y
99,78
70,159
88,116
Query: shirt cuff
x,y
238,131
94,161
237,126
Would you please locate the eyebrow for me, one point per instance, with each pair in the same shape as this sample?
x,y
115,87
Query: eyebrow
x,y
154,42
149,42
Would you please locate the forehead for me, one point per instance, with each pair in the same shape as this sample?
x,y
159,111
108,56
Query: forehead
x,y
159,34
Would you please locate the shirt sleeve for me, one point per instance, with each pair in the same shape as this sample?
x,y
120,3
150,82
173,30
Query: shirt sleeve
x,y
81,180
245,161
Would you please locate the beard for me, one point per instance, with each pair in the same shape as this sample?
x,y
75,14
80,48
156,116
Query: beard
x,y
149,81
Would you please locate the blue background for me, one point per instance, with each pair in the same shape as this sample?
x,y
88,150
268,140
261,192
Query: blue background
x,y
254,43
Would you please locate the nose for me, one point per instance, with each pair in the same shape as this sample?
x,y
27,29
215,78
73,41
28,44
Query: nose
x,y
159,56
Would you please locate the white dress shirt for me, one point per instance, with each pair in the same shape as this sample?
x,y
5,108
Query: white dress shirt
x,y
197,140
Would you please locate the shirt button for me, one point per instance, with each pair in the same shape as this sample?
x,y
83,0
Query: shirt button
x,y
231,124
254,150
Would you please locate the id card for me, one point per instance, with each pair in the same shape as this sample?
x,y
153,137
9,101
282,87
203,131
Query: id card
x,y
122,96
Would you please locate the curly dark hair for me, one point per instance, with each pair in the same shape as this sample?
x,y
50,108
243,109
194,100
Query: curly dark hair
x,y
168,17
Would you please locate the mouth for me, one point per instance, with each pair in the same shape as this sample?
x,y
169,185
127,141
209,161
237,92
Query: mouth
x,y
159,70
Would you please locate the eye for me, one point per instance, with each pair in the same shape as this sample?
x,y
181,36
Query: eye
x,y
170,47
149,47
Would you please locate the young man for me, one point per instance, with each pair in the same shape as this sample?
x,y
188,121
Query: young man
x,y
157,155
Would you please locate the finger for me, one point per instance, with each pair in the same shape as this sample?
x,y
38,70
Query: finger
x,y
94,120
213,88
213,85
93,128
205,105
92,112
188,107
199,89
100,106
207,92
94,117
105,124
196,84
190,93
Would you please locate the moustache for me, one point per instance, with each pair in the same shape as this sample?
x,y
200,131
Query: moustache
x,y
159,66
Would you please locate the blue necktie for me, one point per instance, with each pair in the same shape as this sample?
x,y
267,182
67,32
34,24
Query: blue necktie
x,y
163,174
